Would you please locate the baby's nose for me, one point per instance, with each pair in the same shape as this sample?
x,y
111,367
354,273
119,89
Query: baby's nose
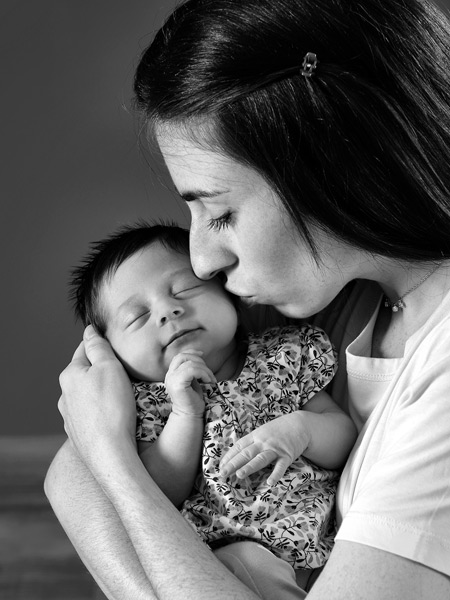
x,y
169,314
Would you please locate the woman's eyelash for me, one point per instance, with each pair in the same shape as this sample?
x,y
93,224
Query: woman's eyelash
x,y
221,222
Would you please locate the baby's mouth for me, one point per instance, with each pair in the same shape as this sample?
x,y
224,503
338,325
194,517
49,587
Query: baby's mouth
x,y
180,334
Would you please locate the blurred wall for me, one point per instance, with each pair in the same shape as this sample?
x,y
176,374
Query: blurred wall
x,y
70,172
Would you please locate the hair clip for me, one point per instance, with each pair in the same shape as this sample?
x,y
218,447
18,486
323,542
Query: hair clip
x,y
309,64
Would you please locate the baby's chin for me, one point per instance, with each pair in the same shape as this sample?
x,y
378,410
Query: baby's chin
x,y
139,375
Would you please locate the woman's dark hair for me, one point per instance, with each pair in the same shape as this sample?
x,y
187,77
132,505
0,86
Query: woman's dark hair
x,y
361,148
106,256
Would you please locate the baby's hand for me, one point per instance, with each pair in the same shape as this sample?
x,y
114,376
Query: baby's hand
x,y
185,371
280,441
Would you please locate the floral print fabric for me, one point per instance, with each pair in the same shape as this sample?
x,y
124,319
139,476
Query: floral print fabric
x,y
284,368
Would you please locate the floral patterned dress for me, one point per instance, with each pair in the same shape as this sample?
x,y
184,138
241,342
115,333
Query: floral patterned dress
x,y
284,368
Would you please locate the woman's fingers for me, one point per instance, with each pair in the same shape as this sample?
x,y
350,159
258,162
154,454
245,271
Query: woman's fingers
x,y
96,393
79,356
96,347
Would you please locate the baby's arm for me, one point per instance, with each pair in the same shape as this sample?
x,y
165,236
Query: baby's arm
x,y
173,460
321,432
332,433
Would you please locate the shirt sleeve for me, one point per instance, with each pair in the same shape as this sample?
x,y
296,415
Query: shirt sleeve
x,y
394,493
153,410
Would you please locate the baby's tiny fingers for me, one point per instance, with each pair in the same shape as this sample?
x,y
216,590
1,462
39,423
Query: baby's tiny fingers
x,y
238,461
206,375
257,463
236,450
182,357
279,470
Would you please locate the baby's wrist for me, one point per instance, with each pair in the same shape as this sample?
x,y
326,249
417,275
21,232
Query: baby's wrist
x,y
188,413
301,428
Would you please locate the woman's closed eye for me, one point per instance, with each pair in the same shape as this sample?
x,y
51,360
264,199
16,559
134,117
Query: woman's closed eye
x,y
220,222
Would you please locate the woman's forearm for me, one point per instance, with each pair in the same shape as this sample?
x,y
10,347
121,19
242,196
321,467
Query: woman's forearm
x,y
177,563
94,528
173,460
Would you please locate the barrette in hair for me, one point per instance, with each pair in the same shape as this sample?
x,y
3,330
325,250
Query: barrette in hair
x,y
309,64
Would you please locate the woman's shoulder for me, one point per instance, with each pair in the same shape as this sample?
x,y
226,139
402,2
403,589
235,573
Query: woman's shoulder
x,y
431,343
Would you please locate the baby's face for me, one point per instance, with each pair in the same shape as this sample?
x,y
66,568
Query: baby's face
x,y
156,308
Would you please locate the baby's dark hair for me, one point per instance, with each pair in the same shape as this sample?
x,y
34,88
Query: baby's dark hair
x,y
106,256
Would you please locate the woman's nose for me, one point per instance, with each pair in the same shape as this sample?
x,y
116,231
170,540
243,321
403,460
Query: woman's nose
x,y
208,257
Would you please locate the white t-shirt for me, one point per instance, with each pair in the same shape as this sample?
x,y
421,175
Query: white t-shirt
x,y
394,493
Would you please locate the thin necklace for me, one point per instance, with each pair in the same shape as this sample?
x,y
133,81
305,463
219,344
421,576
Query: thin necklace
x,y
399,304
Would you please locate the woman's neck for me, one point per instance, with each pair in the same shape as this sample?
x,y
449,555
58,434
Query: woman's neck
x,y
394,328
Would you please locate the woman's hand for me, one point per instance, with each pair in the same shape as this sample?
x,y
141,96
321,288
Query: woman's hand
x,y
280,441
97,401
185,371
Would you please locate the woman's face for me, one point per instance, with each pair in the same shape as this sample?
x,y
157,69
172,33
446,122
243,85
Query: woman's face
x,y
240,228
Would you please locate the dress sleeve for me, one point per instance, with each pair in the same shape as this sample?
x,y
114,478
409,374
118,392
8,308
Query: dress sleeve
x,y
301,359
153,410
318,362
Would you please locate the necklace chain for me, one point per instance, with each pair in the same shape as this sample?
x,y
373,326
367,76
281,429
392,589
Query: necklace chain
x,y
399,304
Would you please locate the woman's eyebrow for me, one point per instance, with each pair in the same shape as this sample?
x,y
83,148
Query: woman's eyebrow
x,y
199,194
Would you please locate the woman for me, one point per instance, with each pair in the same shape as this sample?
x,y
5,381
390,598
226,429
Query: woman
x,y
310,139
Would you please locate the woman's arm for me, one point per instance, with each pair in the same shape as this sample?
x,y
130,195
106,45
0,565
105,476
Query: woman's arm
x,y
354,571
358,572
99,414
94,528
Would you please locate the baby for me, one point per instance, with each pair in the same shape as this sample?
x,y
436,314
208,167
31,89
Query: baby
x,y
235,428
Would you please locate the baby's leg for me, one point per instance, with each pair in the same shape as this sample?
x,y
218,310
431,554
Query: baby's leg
x,y
267,575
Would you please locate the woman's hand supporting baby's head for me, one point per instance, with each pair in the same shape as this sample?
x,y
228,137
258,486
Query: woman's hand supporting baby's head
x,y
96,392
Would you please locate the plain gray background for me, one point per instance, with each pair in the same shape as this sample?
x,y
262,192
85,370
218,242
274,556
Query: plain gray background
x,y
71,171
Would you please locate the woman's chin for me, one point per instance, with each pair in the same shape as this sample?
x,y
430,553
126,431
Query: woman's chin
x,y
294,311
